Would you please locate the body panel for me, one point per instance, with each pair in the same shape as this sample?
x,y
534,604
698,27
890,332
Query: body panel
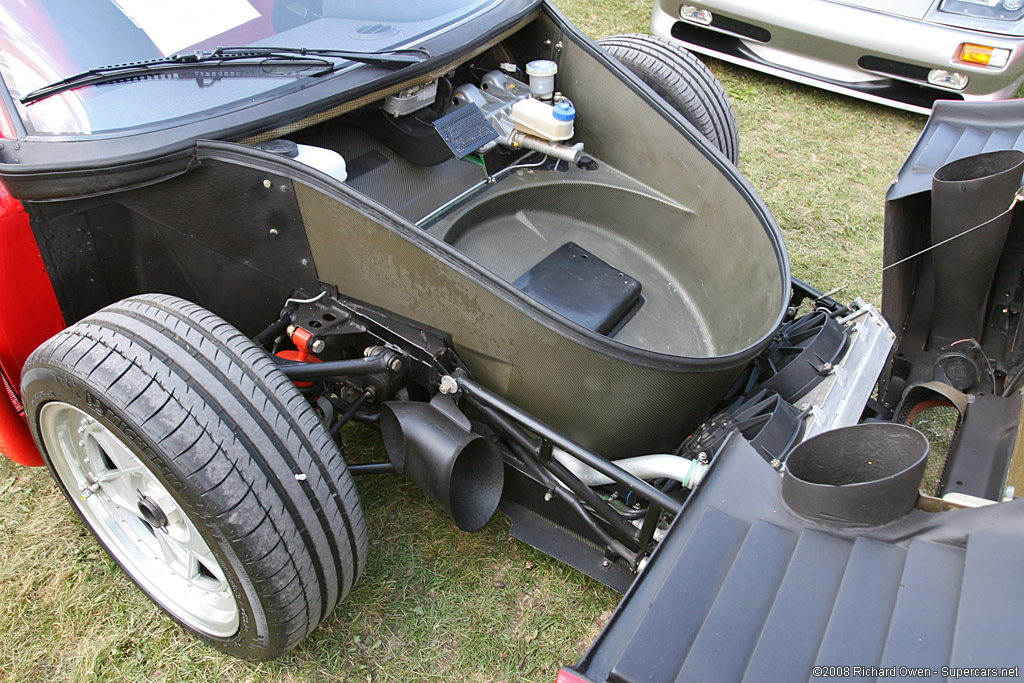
x,y
825,44
29,315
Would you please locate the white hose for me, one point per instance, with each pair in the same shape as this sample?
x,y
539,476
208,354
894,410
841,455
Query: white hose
x,y
658,466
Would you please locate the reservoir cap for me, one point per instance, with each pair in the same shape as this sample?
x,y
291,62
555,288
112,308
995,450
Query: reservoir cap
x,y
564,111
541,67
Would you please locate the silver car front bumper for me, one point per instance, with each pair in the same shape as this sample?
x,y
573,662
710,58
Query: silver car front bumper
x,y
863,53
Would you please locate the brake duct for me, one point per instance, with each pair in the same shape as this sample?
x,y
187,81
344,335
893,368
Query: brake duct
x,y
432,444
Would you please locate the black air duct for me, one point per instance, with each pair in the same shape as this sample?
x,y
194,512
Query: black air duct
x,y
974,191
431,444
864,475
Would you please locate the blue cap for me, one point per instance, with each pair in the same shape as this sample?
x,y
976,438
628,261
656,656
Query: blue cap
x,y
564,111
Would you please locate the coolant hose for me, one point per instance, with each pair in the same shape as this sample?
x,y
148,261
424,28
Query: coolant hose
x,y
687,472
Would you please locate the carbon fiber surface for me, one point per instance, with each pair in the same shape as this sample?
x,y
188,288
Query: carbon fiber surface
x,y
384,176
615,398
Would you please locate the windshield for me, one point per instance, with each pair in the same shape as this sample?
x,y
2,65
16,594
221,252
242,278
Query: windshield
x,y
43,41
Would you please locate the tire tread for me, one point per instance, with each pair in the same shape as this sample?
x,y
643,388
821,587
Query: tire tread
x,y
232,426
684,82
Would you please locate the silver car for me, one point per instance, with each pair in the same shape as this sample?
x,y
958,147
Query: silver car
x,y
902,53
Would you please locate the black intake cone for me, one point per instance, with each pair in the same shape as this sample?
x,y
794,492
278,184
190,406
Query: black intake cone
x,y
432,444
976,190
864,475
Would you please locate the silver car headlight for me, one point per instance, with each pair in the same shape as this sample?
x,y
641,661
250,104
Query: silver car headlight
x,y
1002,10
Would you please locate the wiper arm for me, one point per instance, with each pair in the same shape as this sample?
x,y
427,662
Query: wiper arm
x,y
398,57
239,56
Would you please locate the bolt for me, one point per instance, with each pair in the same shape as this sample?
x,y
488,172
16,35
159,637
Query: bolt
x,y
273,232
396,365
267,184
606,563
548,495
317,346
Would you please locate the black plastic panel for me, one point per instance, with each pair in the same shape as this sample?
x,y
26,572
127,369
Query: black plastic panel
x,y
583,288
742,590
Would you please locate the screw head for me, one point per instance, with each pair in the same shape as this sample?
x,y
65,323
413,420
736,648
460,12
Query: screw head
x,y
267,184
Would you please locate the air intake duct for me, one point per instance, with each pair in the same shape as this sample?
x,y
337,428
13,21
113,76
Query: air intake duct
x,y
432,445
974,191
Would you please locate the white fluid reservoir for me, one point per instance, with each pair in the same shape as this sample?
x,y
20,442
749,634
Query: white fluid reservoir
x,y
536,118
324,160
542,78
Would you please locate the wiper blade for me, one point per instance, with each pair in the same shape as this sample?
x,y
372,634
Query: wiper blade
x,y
236,56
401,56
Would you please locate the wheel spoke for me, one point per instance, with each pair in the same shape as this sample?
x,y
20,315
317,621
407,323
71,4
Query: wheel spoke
x,y
202,567
112,451
172,553
120,497
138,518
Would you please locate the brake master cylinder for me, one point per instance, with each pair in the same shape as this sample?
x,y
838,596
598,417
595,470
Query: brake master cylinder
x,y
520,115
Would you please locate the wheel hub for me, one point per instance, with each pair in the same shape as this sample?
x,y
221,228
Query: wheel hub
x,y
152,513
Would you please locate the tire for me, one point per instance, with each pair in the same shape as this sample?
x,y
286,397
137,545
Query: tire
x,y
201,469
684,82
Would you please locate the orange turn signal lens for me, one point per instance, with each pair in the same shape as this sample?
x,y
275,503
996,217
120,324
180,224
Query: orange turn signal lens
x,y
983,55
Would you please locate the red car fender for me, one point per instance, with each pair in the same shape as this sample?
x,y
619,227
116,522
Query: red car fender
x,y
29,315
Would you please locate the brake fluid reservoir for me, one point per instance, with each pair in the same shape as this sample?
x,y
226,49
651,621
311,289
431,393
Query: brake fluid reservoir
x,y
542,78
534,117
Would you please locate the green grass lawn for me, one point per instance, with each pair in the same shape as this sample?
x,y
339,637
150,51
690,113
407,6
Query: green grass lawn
x,y
436,604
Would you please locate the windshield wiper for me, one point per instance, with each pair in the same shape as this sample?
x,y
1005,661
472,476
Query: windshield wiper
x,y
236,56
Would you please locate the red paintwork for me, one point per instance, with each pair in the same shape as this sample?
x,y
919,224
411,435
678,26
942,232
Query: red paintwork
x,y
29,312
6,127
29,315
301,339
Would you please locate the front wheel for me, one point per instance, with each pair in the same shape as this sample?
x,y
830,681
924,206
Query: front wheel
x,y
684,82
201,469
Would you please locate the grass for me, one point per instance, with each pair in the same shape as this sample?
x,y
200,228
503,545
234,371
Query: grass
x,y
436,604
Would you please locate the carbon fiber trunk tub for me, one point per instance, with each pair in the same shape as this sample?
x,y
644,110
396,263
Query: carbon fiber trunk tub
x,y
661,207
246,229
